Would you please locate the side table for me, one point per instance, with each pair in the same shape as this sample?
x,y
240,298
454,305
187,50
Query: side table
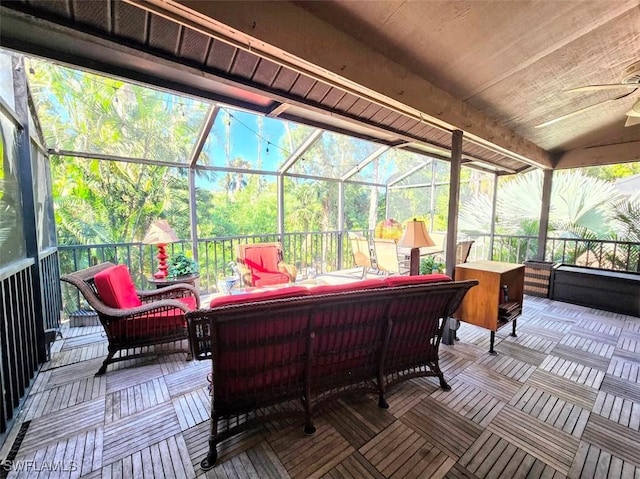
x,y
485,305
161,283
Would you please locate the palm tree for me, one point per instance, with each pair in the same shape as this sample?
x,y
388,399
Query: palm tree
x,y
236,181
109,201
580,208
627,221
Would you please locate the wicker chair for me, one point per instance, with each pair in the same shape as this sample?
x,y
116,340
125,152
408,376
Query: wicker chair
x,y
261,264
139,319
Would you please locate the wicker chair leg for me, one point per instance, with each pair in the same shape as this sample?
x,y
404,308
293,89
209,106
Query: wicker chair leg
x,y
212,456
309,428
443,383
382,402
105,363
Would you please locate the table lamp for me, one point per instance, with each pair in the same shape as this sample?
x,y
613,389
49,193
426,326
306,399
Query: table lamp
x,y
415,236
160,234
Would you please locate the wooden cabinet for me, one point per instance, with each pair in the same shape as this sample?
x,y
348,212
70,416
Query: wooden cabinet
x,y
484,304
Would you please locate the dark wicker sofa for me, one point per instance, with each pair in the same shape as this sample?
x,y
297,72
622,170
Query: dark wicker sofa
x,y
286,352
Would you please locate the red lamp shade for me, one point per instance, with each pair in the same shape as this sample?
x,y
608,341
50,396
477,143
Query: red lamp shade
x,y
160,234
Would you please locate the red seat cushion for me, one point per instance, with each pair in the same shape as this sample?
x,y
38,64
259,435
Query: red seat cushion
x,y
418,279
259,296
354,286
154,323
263,278
115,287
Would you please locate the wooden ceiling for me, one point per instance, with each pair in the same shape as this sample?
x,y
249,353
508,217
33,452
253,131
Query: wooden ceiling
x,y
400,72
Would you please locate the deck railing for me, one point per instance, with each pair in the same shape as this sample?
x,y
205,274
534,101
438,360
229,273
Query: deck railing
x,y
597,253
321,252
607,254
311,253
22,328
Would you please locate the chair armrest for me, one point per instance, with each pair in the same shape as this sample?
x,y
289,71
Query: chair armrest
x,y
162,305
288,269
245,273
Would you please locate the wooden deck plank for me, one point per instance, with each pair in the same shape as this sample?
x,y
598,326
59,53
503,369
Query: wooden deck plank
x,y
535,437
491,382
621,388
192,408
444,428
562,398
135,432
610,436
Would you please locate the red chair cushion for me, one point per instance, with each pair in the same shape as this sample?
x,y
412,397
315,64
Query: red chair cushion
x,y
259,296
190,301
115,287
339,288
262,258
418,279
263,278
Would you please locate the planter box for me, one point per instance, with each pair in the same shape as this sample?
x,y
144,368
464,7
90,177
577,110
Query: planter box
x,y
83,317
537,278
614,291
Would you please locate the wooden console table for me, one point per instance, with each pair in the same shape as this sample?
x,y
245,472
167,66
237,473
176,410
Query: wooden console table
x,y
484,305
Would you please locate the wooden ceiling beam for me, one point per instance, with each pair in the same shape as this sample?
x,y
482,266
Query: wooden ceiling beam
x,y
600,155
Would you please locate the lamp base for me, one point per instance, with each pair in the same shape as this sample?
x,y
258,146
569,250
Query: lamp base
x,y
414,265
162,262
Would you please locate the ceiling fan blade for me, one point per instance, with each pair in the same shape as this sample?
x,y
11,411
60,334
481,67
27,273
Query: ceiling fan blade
x,y
632,120
635,109
573,113
609,86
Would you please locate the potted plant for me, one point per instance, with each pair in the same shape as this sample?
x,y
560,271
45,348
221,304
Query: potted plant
x,y
181,265
431,265
227,283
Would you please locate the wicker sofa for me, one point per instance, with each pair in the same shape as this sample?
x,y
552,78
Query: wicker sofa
x,y
286,352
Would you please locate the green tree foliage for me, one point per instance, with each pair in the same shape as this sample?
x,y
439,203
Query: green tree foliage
x,y
613,172
627,218
112,201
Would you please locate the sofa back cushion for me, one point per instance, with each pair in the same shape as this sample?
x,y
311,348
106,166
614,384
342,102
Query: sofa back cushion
x,y
417,279
115,287
251,297
353,286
